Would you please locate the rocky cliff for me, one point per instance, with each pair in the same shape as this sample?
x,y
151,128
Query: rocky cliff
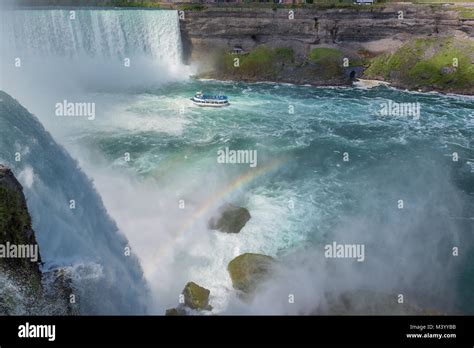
x,y
16,231
24,288
15,226
373,28
325,45
85,240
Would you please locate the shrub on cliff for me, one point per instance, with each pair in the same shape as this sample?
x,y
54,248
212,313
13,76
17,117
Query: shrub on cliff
x,y
262,62
440,63
323,54
285,55
328,60
192,7
129,3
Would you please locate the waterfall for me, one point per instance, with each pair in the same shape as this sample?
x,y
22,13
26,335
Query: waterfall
x,y
72,226
88,50
51,55
107,35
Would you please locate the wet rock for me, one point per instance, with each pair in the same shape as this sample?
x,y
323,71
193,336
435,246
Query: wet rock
x,y
231,219
248,270
175,311
196,297
16,231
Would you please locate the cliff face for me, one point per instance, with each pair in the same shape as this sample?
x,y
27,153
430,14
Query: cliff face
x,y
15,225
333,46
427,64
206,30
84,240
24,289
15,231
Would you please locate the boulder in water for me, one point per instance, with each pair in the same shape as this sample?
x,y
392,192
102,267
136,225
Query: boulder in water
x,y
231,219
248,270
196,297
175,311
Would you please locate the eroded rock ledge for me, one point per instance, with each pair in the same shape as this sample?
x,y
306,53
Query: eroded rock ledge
x,y
24,288
332,46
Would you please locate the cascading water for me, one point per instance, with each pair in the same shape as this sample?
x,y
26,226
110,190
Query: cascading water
x,y
51,55
64,53
72,226
111,34
173,158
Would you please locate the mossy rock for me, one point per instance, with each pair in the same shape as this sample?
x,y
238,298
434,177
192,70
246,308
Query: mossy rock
x,y
328,62
15,228
260,62
196,297
174,312
231,220
248,270
321,54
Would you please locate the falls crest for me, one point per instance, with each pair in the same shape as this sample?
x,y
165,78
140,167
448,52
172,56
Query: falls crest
x,y
88,50
111,34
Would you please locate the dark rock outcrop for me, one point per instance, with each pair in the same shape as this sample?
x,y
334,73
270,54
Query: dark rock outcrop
x,y
248,271
16,231
25,289
87,235
173,312
196,297
250,27
360,34
231,219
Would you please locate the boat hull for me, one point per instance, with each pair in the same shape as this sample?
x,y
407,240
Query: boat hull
x,y
209,104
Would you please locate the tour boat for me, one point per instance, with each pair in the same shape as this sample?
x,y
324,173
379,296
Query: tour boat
x,y
210,100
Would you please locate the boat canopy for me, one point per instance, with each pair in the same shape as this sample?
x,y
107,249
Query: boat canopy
x,y
209,97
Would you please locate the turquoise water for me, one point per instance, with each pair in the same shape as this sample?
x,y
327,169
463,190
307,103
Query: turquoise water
x,y
400,193
313,196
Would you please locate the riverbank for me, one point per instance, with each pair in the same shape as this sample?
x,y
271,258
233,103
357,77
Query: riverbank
x,y
413,46
322,68
423,64
428,64
332,46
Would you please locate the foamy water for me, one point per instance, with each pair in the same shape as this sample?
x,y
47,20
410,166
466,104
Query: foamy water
x,y
301,195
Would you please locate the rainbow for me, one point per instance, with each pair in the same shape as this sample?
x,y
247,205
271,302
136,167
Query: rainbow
x,y
233,186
